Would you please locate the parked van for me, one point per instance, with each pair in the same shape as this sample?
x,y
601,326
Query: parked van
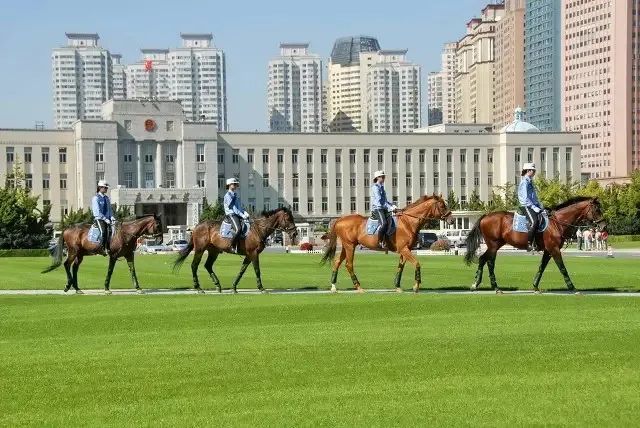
x,y
457,236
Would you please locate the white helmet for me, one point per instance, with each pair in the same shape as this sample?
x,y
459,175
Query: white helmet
x,y
378,174
528,166
103,183
232,180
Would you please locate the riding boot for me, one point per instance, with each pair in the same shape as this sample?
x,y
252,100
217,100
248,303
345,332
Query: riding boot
x,y
531,239
382,240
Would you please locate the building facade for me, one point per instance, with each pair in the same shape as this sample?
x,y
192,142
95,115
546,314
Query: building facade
x,y
509,63
448,70
294,90
600,83
82,79
542,62
475,58
149,77
119,73
434,97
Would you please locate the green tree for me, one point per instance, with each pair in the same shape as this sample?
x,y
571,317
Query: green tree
x,y
475,203
210,212
452,201
121,213
75,217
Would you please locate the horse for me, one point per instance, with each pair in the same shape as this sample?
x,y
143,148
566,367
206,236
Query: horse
x,y
496,230
351,229
123,244
206,237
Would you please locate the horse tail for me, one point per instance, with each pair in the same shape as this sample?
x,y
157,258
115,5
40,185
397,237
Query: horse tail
x,y
56,254
330,249
473,242
182,255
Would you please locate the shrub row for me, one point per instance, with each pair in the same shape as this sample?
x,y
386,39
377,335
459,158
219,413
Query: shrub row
x,y
624,238
30,252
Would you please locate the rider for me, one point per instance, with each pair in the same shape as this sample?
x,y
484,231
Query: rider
x,y
528,199
102,213
380,207
233,210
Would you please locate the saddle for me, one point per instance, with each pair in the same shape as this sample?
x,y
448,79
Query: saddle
x,y
226,229
373,224
521,222
95,235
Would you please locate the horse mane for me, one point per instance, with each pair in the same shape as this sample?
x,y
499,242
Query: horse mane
x,y
275,211
420,200
572,201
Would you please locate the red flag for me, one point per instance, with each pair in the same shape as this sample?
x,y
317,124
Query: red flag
x,y
148,64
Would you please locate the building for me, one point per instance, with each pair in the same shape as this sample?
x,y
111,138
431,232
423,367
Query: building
x,y
509,63
448,70
457,128
159,163
392,96
346,87
82,79
542,62
475,58
434,97
149,77
119,73
600,80
294,92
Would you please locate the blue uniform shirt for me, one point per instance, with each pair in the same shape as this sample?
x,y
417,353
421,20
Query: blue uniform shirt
x,y
527,193
232,204
101,207
379,198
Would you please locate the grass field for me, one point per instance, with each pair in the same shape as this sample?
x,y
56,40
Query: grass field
x,y
319,360
303,271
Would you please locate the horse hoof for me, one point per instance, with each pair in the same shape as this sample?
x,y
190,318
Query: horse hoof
x,y
66,289
78,291
577,293
263,291
200,290
536,291
107,292
474,287
398,290
139,291
333,288
219,290
416,288
359,290
498,291
235,291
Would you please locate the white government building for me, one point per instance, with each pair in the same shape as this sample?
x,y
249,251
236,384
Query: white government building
x,y
157,162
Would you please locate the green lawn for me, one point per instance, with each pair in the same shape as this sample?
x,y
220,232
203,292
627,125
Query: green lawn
x,y
302,270
319,360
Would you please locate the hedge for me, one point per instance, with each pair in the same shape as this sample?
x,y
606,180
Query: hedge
x,y
30,252
623,238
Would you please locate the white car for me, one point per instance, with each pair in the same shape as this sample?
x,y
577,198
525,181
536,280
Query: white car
x,y
151,247
178,244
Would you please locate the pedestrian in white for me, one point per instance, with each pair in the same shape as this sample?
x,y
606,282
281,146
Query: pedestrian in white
x,y
586,236
579,239
598,240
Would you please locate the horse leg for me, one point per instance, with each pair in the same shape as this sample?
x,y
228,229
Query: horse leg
x,y
557,257
132,271
256,267
107,280
543,265
245,264
408,256
75,268
491,263
336,265
194,270
481,262
349,264
208,265
398,278
67,267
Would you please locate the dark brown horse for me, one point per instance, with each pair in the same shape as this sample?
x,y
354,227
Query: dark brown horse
x,y
351,230
206,237
123,244
496,230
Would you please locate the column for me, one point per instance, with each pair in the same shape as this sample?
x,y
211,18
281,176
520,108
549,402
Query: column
x,y
179,181
139,156
158,165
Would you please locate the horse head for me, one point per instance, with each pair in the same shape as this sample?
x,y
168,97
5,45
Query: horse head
x,y
582,209
430,207
147,225
283,220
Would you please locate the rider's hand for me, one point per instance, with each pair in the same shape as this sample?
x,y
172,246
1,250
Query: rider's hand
x,y
536,209
106,220
245,215
394,208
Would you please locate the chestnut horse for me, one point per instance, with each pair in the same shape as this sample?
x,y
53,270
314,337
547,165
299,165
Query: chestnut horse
x,y
206,237
496,230
123,244
351,230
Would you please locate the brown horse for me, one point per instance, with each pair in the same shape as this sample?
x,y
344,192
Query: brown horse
x,y
123,244
351,230
496,230
206,237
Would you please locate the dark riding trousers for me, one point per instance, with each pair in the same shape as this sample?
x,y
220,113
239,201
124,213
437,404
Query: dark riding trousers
x,y
534,220
105,232
236,223
382,215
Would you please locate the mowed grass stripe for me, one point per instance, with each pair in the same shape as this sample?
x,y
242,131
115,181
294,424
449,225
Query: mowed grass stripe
x,y
319,360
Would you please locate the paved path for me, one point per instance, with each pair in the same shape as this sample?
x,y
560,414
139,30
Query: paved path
x,y
169,292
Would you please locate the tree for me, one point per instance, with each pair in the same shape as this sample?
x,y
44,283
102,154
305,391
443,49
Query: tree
x,y
121,213
475,203
22,224
213,212
452,201
75,217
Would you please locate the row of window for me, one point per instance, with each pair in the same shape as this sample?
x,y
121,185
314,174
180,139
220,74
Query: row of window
x,y
28,158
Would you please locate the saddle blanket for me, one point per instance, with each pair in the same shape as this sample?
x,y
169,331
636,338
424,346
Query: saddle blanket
x,y
373,226
95,235
226,229
521,222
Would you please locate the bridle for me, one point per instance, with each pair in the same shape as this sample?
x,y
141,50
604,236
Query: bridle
x,y
578,222
425,218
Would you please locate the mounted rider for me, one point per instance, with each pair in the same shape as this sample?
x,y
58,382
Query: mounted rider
x,y
380,206
103,214
234,213
530,205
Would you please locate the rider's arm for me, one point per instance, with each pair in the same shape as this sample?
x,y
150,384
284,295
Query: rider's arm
x,y
375,196
228,210
523,199
95,209
237,207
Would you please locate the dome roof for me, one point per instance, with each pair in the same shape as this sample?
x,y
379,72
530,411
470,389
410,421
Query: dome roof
x,y
519,125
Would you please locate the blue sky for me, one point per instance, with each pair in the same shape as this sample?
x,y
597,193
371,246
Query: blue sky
x,y
248,31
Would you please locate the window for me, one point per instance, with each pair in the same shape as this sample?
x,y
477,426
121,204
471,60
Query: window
x,y
408,181
339,205
148,178
169,125
463,180
380,155
436,156
170,180
394,156
352,156
28,181
353,204
127,157
45,181
407,155
45,155
338,155
265,156
169,157
436,179
367,180
490,156
235,156
309,155
517,158
27,155
449,179
310,180
128,179
296,205
200,179
490,179
325,205
310,205
567,156
63,181
530,155
220,156
421,155
46,203
422,180
199,152
251,181
294,156
280,156
267,204
476,156
338,180
295,180
99,176
449,155
148,158
352,180
251,202
99,152
367,203
394,180
323,180
476,179
127,125
250,156
463,156
10,154
366,155
280,184
265,180
323,156
221,182
543,157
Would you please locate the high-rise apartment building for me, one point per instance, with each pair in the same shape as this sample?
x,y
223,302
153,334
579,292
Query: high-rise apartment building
x,y
294,93
81,77
542,77
434,97
600,67
119,73
149,77
474,68
509,63
448,70
392,94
